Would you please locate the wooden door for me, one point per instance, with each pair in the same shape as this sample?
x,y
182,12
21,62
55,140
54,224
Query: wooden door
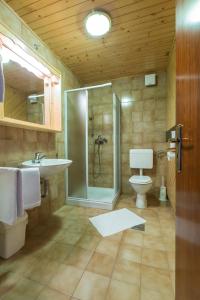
x,y
188,180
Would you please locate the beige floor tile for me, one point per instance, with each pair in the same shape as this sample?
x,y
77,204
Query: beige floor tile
x,y
43,271
91,230
168,232
171,260
136,210
153,229
79,257
133,237
130,252
148,212
101,264
65,279
115,237
8,281
127,271
49,294
38,248
25,289
167,223
19,263
119,290
172,275
155,279
152,221
92,286
154,242
147,294
155,258
59,251
169,243
109,247
69,238
88,242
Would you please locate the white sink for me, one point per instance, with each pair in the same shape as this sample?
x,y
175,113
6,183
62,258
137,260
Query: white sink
x,y
48,167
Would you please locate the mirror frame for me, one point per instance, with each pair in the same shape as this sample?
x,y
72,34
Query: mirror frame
x,y
52,89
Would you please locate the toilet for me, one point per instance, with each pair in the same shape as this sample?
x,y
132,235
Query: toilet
x,y
141,159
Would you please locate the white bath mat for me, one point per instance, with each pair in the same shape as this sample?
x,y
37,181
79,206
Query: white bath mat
x,y
116,221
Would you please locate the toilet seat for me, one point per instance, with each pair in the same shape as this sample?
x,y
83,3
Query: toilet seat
x,y
140,179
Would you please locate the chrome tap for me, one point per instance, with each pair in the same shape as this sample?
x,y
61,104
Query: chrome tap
x,y
38,157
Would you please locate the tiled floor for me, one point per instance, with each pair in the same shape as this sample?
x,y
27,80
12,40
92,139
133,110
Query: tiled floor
x,y
68,259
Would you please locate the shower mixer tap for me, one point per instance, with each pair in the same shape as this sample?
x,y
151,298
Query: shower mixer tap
x,y
100,140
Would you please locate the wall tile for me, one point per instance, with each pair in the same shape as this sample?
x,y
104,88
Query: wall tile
x,y
17,145
143,125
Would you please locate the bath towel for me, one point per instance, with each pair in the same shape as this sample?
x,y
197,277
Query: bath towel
x,y
8,195
2,83
29,195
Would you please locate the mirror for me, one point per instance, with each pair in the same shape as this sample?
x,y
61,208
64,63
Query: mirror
x,y
31,88
24,94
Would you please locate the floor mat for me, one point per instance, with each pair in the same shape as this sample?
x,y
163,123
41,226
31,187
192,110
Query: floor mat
x,y
116,221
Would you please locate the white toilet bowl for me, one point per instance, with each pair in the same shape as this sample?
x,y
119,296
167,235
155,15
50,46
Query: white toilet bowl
x,y
141,185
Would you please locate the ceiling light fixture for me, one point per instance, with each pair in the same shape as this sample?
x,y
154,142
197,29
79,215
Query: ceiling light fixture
x,y
97,23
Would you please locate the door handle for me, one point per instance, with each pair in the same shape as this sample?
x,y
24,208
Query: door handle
x,y
179,147
175,135
182,142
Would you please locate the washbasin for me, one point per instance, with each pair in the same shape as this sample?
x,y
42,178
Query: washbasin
x,y
48,167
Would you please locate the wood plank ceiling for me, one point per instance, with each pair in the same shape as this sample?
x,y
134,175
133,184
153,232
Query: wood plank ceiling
x,y
140,40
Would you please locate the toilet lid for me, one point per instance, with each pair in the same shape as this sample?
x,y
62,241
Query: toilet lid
x,y
140,179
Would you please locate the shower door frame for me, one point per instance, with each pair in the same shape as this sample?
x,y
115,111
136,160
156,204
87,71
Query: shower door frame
x,y
86,201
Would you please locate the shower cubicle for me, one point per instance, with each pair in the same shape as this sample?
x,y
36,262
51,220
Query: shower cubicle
x,y
92,142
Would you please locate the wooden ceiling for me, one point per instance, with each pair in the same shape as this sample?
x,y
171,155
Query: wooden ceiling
x,y
140,40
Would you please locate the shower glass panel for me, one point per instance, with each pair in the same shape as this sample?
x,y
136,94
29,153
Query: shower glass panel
x,y
100,144
116,137
100,137
92,138
76,143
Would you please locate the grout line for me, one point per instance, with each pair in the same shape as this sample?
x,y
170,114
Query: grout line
x,y
120,242
114,264
84,270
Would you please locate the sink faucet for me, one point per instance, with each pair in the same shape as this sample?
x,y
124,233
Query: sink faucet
x,y
38,157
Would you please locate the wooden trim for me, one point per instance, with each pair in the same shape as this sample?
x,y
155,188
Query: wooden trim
x,y
49,92
23,124
55,116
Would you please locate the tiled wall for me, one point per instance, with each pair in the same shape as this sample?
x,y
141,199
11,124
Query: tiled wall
x,y
17,145
171,121
100,123
143,124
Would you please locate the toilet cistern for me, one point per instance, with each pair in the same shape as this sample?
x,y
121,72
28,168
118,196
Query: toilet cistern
x,y
141,159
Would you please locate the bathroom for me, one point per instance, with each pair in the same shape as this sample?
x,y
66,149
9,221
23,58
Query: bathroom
x,y
88,131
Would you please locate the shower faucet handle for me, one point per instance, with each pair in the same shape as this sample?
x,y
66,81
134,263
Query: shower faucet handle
x,y
101,140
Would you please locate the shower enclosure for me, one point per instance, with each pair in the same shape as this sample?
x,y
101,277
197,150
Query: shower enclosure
x,y
92,142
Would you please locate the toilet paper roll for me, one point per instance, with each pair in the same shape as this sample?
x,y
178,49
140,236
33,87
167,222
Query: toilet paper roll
x,y
172,145
171,155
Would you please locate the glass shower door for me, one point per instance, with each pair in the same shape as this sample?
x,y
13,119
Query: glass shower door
x,y
116,137
77,107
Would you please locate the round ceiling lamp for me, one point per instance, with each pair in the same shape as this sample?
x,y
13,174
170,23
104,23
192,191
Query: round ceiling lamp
x,y
97,23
